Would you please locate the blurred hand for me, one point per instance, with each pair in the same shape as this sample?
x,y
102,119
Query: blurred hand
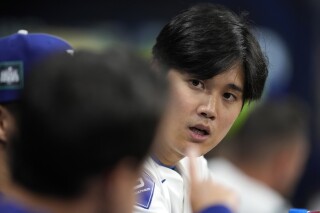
x,y
205,193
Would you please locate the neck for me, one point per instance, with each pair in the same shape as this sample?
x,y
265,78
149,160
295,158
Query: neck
x,y
155,158
4,174
166,156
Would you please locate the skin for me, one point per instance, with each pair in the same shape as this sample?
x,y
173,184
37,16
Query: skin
x,y
7,128
211,105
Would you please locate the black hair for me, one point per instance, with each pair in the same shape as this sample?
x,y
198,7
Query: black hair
x,y
208,39
13,107
82,115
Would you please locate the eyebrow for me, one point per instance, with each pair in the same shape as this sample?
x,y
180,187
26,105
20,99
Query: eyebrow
x,y
235,87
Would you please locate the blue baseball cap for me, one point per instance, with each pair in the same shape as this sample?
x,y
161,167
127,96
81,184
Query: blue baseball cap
x,y
18,53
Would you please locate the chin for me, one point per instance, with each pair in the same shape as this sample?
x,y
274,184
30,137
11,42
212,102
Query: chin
x,y
198,150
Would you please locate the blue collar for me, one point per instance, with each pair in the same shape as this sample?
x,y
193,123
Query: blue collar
x,y
161,164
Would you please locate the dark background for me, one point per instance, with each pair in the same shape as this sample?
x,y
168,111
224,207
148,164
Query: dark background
x,y
296,21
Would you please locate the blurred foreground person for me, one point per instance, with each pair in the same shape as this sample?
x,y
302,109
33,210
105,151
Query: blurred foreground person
x,y
265,158
86,124
19,52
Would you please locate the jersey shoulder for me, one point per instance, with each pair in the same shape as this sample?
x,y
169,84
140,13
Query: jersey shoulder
x,y
144,190
150,194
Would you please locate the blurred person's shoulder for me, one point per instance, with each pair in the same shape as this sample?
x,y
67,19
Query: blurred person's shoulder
x,y
11,206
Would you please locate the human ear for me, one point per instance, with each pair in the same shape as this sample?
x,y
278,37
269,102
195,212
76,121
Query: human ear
x,y
6,125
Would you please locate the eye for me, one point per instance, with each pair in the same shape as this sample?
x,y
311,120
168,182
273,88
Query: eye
x,y
229,96
196,83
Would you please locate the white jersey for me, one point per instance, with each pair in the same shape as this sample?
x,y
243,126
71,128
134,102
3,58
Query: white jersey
x,y
165,190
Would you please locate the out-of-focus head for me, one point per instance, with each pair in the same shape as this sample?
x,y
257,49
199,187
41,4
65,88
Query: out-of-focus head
x,y
275,135
84,118
269,126
19,52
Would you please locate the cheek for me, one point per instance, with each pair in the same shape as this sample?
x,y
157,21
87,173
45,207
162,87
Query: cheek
x,y
227,121
181,99
232,118
179,107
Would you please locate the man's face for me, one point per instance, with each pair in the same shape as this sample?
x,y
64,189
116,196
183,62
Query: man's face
x,y
199,112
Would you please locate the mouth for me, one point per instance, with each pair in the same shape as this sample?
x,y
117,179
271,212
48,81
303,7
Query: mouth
x,y
199,133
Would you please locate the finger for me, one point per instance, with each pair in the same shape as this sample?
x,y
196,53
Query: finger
x,y
192,153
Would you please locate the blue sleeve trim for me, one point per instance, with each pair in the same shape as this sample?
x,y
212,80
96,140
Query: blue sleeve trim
x,y
216,209
298,211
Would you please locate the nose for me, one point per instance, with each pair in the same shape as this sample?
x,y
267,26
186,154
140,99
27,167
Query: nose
x,y
208,109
